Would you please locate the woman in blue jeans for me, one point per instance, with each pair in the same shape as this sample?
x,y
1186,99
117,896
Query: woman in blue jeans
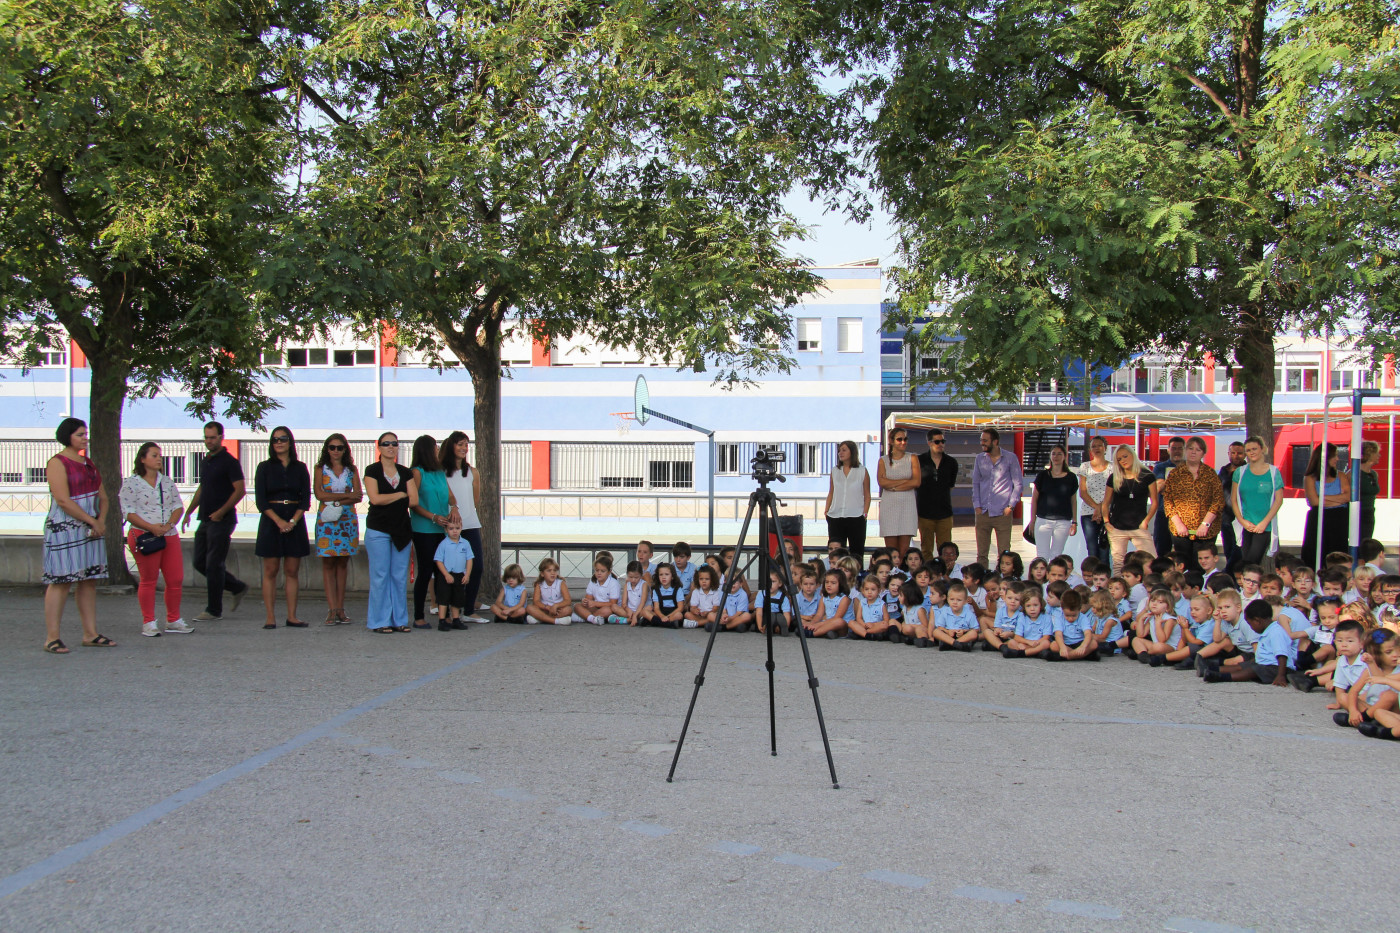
x,y
1094,475
391,491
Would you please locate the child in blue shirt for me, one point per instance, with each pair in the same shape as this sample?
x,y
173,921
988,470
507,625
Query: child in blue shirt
x,y
1033,629
871,623
955,625
1002,627
1274,655
836,606
510,601
809,602
680,563
892,604
914,627
735,615
452,566
1074,631
667,607
774,605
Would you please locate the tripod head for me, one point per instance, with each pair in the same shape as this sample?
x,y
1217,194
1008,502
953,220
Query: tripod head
x,y
765,469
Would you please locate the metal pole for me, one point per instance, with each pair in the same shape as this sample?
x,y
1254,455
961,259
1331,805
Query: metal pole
x,y
1390,462
1354,509
711,436
379,379
1321,484
1137,434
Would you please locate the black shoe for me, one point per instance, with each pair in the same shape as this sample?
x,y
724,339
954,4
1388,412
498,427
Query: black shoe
x,y
711,626
1093,656
458,625
964,646
1301,681
923,642
1009,652
1372,730
1155,660
1201,665
988,646
1184,665
943,647
1130,653
1342,718
1040,655
444,626
1052,656
1215,677
832,635
895,637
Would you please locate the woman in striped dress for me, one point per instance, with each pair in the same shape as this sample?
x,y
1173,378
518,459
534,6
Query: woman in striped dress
x,y
74,552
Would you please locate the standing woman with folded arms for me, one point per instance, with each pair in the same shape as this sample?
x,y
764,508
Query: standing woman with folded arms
x,y
464,483
282,492
899,476
152,505
392,491
338,490
848,501
73,548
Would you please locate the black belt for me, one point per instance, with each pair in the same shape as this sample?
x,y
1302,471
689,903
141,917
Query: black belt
x,y
283,502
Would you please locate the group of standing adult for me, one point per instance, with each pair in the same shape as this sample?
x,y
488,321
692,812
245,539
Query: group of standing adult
x,y
1169,508
407,509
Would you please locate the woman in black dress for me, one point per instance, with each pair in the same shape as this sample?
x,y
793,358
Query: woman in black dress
x,y
282,491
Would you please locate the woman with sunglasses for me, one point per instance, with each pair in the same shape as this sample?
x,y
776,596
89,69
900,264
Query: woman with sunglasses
x,y
338,490
282,491
392,491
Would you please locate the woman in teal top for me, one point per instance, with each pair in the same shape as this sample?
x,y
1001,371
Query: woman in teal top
x,y
1256,495
428,518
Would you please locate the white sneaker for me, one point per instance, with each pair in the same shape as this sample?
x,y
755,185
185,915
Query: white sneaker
x,y
566,620
178,627
596,620
151,630
477,619
689,623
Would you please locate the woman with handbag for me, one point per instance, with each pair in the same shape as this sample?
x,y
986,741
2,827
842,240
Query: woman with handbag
x,y
338,489
152,507
282,490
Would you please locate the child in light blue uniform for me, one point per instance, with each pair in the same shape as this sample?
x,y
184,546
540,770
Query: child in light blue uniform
x,y
1108,630
809,602
735,615
510,601
1033,629
774,605
680,563
837,611
1074,631
872,622
955,625
1275,654
667,607
1003,625
914,627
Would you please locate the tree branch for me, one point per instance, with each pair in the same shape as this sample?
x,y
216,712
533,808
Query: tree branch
x,y
1210,92
322,105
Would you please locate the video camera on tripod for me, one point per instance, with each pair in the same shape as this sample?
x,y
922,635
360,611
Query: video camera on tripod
x,y
765,465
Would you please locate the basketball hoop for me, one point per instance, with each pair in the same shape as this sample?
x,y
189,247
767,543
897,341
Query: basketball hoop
x,y
624,421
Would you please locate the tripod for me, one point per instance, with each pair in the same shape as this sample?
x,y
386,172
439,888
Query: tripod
x,y
765,502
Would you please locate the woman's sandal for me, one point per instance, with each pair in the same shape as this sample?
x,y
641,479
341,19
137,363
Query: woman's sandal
x,y
402,628
56,647
101,641
331,617
384,630
342,618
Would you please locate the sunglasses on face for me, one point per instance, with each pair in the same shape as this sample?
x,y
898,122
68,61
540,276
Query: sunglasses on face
x,y
388,443
335,446
281,440
937,442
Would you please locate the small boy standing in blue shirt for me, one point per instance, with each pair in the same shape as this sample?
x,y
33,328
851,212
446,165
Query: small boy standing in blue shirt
x,y
453,567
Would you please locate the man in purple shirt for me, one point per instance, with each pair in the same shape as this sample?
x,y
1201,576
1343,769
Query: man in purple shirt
x,y
997,485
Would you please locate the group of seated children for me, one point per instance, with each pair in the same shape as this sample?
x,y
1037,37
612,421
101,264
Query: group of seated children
x,y
1339,629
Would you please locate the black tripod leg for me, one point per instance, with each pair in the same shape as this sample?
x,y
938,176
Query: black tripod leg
x,y
768,522
710,645
811,674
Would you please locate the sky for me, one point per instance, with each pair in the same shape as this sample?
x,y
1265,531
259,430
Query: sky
x,y
835,239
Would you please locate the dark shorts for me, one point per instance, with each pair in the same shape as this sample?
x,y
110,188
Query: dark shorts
x,y
1265,672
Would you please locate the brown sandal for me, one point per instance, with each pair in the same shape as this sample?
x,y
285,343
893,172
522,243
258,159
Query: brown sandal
x,y
101,641
56,647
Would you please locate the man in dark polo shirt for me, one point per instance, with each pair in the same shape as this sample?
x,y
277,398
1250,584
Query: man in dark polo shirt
x,y
221,487
934,497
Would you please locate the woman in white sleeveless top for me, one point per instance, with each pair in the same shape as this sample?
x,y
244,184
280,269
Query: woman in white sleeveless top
x,y
848,501
465,486
899,476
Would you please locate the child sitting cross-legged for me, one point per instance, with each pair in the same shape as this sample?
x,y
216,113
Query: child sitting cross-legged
x,y
667,606
837,611
510,604
1074,631
703,603
636,592
734,614
1217,646
774,606
955,625
1376,694
1001,626
1103,618
1342,672
1034,628
914,627
602,596
809,601
1275,653
1159,632
872,622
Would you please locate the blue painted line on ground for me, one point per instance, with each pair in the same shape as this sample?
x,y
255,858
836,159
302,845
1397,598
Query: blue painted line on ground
x,y
736,848
646,829
1079,909
460,777
914,882
582,812
514,793
990,895
1029,711
1192,925
75,853
807,861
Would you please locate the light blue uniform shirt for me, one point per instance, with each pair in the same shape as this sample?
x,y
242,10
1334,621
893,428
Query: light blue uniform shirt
x,y
1294,619
1006,622
1205,631
1115,631
805,606
1273,642
1073,631
1124,606
512,595
454,554
1182,608
963,621
1347,672
1240,632
893,607
1034,629
832,603
872,612
686,574
736,603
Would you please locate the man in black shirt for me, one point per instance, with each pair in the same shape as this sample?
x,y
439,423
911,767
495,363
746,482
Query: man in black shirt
x,y
1227,524
221,486
934,497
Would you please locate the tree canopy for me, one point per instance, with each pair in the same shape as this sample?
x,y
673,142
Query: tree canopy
x,y
1097,179
568,166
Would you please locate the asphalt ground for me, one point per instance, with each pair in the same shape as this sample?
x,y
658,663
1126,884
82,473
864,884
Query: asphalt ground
x,y
514,778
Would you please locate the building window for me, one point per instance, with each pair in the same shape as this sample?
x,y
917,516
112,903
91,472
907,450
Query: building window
x,y
308,356
353,357
1299,372
809,333
726,458
1344,380
621,466
850,338
272,358
53,358
1160,377
809,458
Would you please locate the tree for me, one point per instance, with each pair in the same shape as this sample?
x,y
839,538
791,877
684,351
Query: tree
x,y
566,166
140,163
1097,179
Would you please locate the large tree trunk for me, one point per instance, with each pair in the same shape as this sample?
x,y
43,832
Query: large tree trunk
x,y
484,364
108,398
1255,355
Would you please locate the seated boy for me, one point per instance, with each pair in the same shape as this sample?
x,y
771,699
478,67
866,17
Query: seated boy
x,y
1220,647
1343,671
1074,638
955,624
1000,627
1274,655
